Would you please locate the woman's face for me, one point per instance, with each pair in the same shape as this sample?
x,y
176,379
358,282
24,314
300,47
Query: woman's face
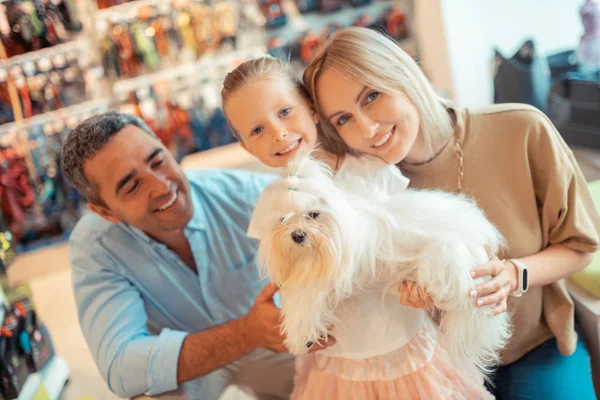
x,y
369,121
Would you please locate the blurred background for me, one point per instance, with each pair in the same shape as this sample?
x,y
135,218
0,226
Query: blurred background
x,y
62,61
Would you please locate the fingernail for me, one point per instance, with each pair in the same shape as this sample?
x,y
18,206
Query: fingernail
x,y
473,293
479,302
473,274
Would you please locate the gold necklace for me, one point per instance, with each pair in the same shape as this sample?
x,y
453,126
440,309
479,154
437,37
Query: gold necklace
x,y
461,166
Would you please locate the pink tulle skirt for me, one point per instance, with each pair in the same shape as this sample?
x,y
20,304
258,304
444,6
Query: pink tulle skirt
x,y
419,370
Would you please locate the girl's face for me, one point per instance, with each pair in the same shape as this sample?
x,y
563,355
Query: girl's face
x,y
272,119
369,121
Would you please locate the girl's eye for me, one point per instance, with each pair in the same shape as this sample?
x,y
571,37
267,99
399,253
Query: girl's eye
x,y
285,112
343,119
256,131
371,97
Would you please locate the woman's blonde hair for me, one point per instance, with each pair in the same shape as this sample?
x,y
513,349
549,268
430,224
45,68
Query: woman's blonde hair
x,y
258,69
377,61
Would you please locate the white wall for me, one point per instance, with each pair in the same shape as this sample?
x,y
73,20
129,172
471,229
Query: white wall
x,y
474,27
433,51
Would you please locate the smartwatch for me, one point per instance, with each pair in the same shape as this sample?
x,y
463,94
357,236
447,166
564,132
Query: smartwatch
x,y
522,278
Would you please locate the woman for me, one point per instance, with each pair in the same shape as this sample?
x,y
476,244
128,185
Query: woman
x,y
373,98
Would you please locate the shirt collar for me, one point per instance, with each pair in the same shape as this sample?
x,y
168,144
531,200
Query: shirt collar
x,y
198,221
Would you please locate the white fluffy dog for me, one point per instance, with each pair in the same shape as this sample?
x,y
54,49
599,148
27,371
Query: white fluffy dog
x,y
321,244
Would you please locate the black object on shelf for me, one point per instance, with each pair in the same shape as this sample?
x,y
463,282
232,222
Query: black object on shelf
x,y
25,347
34,340
574,108
13,368
523,78
562,63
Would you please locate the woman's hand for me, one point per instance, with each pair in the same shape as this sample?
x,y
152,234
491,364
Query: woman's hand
x,y
496,290
414,296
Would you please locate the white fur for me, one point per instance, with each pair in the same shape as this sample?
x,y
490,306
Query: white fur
x,y
365,237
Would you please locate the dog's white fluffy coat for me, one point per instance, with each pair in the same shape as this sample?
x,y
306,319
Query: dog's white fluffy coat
x,y
365,238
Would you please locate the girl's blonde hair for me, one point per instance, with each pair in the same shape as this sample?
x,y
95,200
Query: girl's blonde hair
x,y
377,61
258,69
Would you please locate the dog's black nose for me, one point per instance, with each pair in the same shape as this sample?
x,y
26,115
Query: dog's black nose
x,y
298,236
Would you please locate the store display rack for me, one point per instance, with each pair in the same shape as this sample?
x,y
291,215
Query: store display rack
x,y
160,59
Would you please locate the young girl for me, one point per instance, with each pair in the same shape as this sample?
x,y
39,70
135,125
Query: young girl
x,y
383,351
511,159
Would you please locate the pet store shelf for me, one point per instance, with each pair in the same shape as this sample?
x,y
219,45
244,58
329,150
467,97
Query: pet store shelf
x,y
197,70
57,116
73,45
55,374
298,23
34,388
128,10
47,384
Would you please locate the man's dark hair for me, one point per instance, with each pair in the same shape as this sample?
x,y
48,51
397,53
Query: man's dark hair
x,y
86,140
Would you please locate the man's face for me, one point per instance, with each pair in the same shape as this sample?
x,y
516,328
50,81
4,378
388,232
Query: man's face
x,y
140,183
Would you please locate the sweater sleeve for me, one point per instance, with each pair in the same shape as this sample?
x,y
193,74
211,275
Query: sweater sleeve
x,y
567,211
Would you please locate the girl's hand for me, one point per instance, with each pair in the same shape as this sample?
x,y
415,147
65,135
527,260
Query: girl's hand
x,y
496,290
414,296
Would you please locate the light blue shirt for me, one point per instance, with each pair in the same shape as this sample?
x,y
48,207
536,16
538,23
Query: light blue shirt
x,y
137,300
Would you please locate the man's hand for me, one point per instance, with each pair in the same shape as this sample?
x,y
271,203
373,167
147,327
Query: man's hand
x,y
262,323
204,352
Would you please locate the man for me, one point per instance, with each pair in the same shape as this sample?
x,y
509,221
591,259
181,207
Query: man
x,y
164,276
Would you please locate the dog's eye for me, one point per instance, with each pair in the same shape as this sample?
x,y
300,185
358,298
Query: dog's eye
x,y
313,214
282,220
